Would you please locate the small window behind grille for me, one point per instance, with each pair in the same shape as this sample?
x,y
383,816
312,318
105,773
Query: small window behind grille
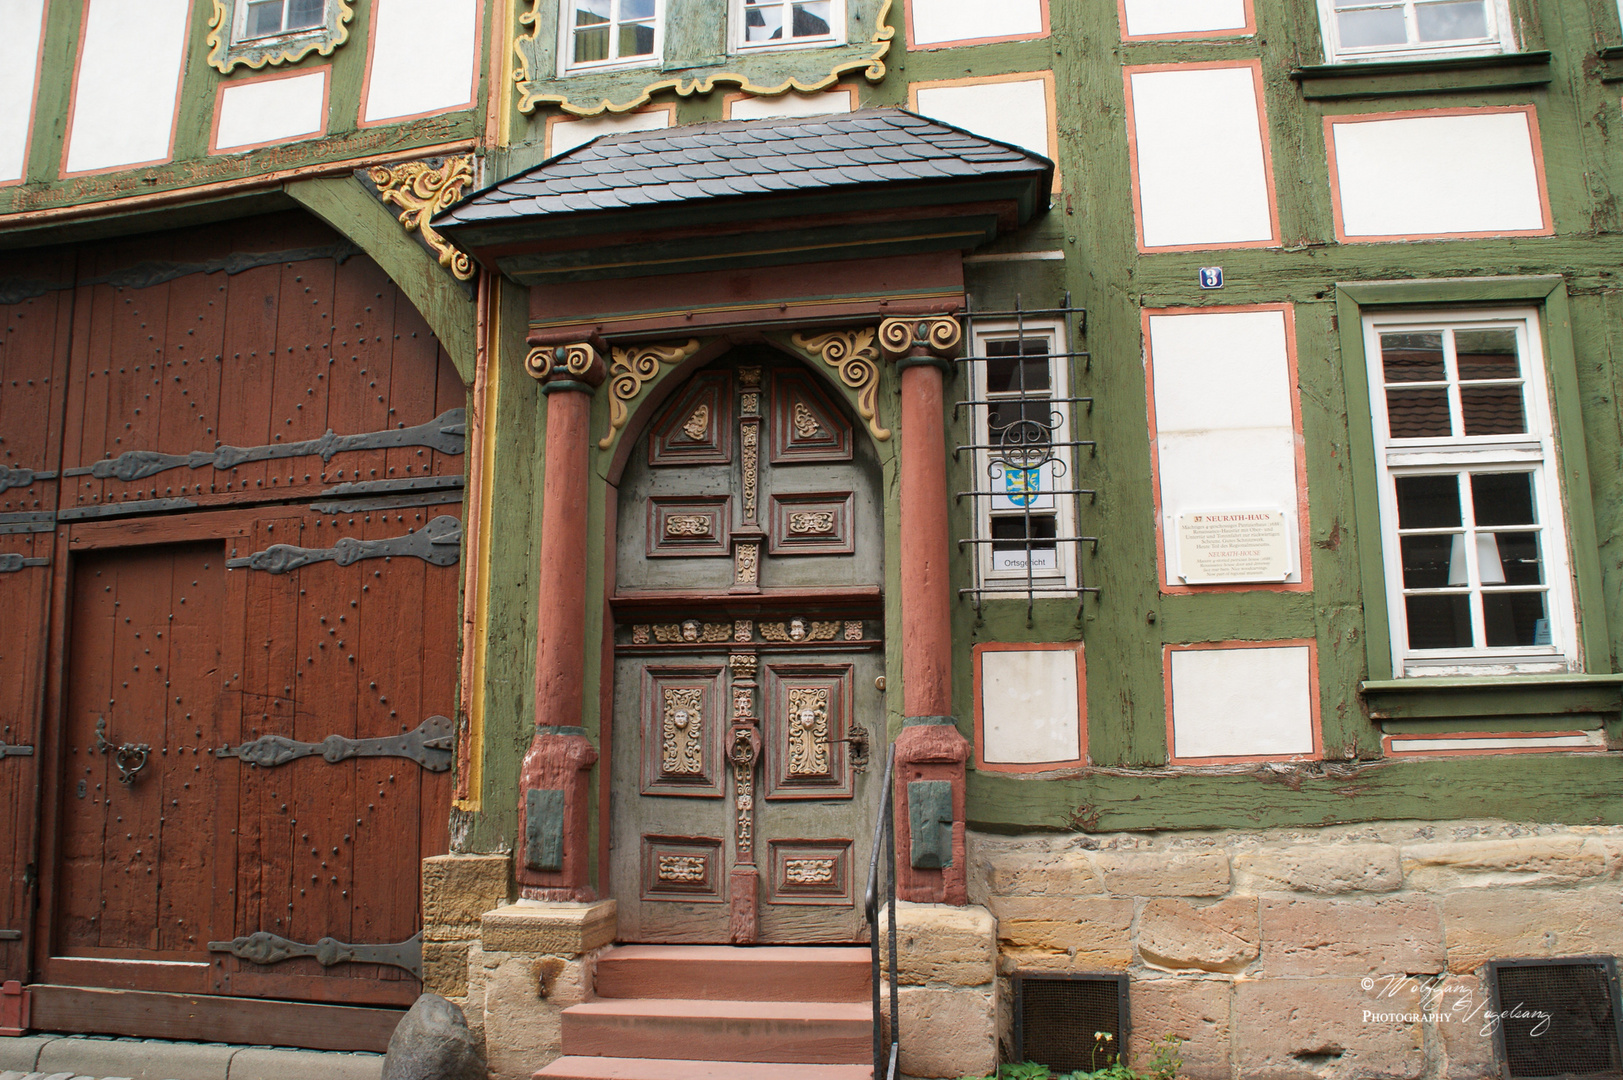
x,y
1557,1018
1069,1022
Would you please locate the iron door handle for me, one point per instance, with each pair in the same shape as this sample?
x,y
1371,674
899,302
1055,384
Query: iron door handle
x,y
129,758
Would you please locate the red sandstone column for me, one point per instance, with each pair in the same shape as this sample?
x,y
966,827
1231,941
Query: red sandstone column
x,y
554,812
929,752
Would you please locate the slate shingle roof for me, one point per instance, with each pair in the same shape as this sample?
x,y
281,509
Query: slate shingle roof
x,y
744,157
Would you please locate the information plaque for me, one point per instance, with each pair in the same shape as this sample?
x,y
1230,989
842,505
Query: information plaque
x,y
1220,547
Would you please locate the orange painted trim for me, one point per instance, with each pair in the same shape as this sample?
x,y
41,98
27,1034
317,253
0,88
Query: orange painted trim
x,y
669,109
1249,29
1534,138
731,98
981,764
1050,107
203,191
366,80
33,100
957,43
1304,560
1388,742
73,104
1127,74
319,133
1312,647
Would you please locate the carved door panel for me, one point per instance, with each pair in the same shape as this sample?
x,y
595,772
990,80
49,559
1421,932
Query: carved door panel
x,y
748,645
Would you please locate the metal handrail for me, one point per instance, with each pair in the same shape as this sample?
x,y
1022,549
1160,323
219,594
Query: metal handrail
x,y
884,1057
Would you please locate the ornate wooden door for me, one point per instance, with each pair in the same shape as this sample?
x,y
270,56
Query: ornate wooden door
x,y
748,709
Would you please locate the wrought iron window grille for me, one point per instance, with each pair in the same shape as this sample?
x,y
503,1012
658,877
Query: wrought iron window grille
x,y
1023,449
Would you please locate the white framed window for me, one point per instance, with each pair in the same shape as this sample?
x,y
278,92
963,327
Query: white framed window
x,y
1478,579
258,19
598,34
1025,468
776,24
261,32
1357,30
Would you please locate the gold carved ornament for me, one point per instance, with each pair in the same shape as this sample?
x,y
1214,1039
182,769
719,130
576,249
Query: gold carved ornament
x,y
691,632
939,335
746,564
688,525
685,868
855,356
872,67
575,360
808,731
806,425
629,371
697,424
276,52
811,523
808,871
682,748
798,629
421,192
750,438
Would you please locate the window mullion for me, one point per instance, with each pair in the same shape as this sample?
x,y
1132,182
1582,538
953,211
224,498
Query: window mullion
x,y
1473,568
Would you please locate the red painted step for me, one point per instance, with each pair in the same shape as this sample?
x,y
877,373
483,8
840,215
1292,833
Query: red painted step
x,y
722,972
833,1033
607,1068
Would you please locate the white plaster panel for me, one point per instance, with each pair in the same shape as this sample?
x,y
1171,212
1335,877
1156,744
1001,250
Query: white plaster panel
x,y
1420,175
762,108
1242,702
1586,741
130,64
424,54
1202,177
1225,437
568,134
1029,706
1146,18
271,110
936,21
22,22
1010,112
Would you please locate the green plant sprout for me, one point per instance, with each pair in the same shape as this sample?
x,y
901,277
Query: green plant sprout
x,y
1166,1059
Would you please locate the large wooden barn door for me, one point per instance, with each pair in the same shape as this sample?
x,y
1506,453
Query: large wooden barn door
x,y
249,660
748,717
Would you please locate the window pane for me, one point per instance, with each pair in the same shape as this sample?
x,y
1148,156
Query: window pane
x,y
1452,21
1366,29
1512,619
1013,424
265,18
763,21
591,12
811,20
1412,357
1427,560
305,13
1011,547
636,39
632,10
1014,375
1428,502
1486,354
1439,622
1418,414
1518,558
1492,410
591,44
1503,498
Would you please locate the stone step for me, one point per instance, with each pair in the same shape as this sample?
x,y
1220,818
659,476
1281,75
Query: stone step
x,y
611,1068
725,972
835,1033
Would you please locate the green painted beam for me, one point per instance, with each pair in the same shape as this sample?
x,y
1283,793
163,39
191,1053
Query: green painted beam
x,y
444,303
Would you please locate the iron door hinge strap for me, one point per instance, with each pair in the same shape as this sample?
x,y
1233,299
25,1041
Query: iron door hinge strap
x,y
430,745
7,750
439,542
11,562
12,476
446,433
11,935
265,948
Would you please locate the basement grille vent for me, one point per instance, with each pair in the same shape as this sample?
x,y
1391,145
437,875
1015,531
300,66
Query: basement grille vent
x,y
1057,1019
1558,1018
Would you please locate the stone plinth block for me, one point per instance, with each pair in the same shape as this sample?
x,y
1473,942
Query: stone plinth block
x,y
1047,873
1461,1007
1304,937
1164,873
1493,924
1178,935
1311,868
1326,1029
947,1032
1058,933
1195,1011
458,890
941,943
1531,860
540,928
445,968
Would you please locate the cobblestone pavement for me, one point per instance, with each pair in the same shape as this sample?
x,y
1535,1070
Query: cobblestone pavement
x,y
88,1057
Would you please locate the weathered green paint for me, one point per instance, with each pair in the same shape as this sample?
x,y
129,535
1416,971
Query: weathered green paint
x,y
929,817
355,213
1406,78
544,829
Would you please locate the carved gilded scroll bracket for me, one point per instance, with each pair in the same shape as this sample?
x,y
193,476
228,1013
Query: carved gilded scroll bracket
x,y
854,354
422,189
631,370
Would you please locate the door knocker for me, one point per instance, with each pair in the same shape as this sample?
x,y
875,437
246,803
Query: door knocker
x,y
130,758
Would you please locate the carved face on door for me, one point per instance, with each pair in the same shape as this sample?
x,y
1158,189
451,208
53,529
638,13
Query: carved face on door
x,y
748,644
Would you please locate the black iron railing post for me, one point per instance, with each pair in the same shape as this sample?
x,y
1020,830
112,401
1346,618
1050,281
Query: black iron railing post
x,y
885,1052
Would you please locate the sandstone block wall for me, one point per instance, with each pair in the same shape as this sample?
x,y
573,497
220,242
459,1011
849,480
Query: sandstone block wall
x,y
1331,954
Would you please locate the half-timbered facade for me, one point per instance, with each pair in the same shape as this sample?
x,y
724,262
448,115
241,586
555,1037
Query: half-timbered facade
x,y
487,486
